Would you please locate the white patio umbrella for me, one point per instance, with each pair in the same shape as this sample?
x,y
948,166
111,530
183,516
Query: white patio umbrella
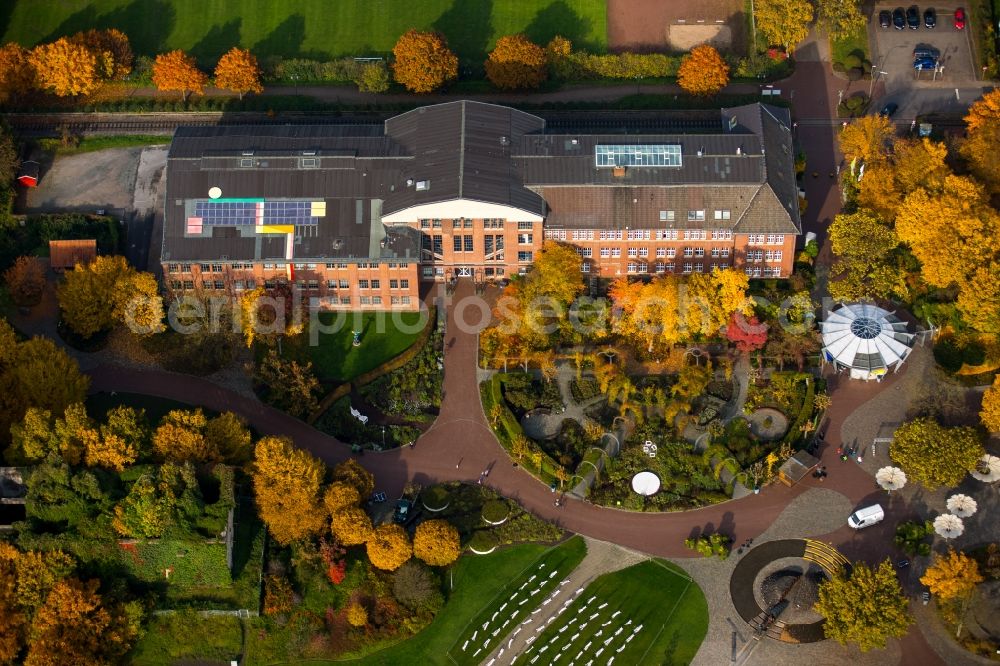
x,y
987,469
949,526
890,478
962,506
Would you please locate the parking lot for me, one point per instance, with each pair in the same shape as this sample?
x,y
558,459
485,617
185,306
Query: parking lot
x,y
894,48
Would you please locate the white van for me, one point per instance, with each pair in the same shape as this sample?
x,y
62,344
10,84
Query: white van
x,y
866,517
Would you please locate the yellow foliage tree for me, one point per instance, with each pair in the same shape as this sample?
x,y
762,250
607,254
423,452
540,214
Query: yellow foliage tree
x,y
979,298
436,542
340,495
113,51
17,73
516,62
351,525
952,576
389,547
703,72
287,483
423,62
356,614
108,291
935,455
178,71
866,608
867,138
109,451
983,137
990,412
783,22
865,267
647,312
65,68
181,437
238,71
352,473
228,439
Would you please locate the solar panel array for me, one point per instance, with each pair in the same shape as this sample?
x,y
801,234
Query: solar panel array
x,y
666,155
289,212
244,213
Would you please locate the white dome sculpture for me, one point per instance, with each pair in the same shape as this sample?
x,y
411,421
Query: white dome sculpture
x,y
865,339
645,483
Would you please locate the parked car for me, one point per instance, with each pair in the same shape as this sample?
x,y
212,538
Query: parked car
x,y
898,18
959,19
884,18
924,63
889,109
926,52
866,517
913,17
930,18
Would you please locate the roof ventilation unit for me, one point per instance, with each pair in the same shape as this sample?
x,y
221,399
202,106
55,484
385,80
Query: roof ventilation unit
x,y
619,172
423,185
739,150
409,182
214,192
701,151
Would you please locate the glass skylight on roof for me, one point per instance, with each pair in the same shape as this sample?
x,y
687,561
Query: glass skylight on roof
x,y
667,155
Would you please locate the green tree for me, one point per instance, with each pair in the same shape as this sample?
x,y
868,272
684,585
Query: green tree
x,y
783,22
228,438
935,455
373,78
415,586
866,607
147,511
129,425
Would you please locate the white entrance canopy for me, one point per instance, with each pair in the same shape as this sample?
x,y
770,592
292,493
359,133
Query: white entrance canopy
x,y
645,483
866,339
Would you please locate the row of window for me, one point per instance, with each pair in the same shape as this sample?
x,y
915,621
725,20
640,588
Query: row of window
x,y
670,267
464,223
762,239
240,285
761,255
661,252
438,271
219,268
768,271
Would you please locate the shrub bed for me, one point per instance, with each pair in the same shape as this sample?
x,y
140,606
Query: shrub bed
x,y
495,512
483,542
435,498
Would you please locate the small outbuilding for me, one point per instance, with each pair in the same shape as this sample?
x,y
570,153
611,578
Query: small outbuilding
x,y
28,173
796,468
66,254
866,340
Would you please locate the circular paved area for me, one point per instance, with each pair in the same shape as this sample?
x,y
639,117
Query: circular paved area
x,y
768,424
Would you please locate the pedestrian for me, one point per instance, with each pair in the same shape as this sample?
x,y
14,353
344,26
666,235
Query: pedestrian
x,y
486,472
859,459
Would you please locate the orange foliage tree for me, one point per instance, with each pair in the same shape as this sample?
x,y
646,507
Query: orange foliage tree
x,y
703,72
423,62
983,132
113,52
17,74
340,495
25,280
351,525
353,474
516,62
436,542
65,68
238,71
287,482
177,70
389,547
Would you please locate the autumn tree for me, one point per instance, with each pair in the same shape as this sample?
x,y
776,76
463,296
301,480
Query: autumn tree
x,y
112,49
238,71
356,614
10,158
437,543
373,77
352,473
990,412
181,436
351,525
147,511
708,301
783,22
287,483
389,547
935,455
979,298
748,335
340,495
646,314
982,139
178,71
228,439
290,385
866,607
867,138
865,266
423,62
912,164
692,381
840,18
35,573
516,62
25,280
17,73
15,619
952,576
97,296
76,626
414,586
703,72
65,68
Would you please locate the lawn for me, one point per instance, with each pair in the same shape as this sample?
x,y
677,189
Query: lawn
x,y
190,637
514,603
306,28
855,44
655,602
92,143
384,335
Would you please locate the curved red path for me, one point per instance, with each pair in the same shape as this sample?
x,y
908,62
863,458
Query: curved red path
x,y
460,445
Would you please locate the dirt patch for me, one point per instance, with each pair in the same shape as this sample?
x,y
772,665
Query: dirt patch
x,y
650,25
87,182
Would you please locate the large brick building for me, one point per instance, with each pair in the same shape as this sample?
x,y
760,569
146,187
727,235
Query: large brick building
x,y
359,215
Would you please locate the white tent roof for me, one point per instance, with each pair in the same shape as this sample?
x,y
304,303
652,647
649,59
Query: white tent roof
x,y
645,483
865,337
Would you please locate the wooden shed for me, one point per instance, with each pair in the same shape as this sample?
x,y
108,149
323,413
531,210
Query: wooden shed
x,y
796,467
66,254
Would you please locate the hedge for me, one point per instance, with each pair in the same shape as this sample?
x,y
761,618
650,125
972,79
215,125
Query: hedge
x,y
508,428
795,430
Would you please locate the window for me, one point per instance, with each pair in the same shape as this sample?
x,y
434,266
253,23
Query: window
x,y
611,234
427,271
366,300
394,300
585,252
425,224
173,268
238,285
638,234
633,252
699,252
436,223
313,284
696,216
393,284
331,284
376,300
205,268
493,223
725,252
466,224
404,284
362,284
311,267
688,252
437,245
216,268
671,266
344,284
525,226
175,284
605,252
637,155
345,300
687,268
582,234
555,234
189,284
467,244
671,253
376,284
219,284
406,300
616,252
715,252
699,268
643,267
457,243
666,216
661,252
775,239
632,267
404,264
584,267
660,267
525,257
643,251
300,267
694,234
721,215
185,268
722,234
251,284
666,234
524,239
755,239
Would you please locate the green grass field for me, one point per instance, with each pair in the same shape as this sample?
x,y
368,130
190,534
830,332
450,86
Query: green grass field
x,y
336,359
188,636
654,595
306,28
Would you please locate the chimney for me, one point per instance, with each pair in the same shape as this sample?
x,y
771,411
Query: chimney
x,y
619,172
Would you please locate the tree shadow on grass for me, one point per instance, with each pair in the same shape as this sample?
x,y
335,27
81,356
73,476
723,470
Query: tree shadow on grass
x,y
218,40
286,41
6,11
559,18
146,22
468,28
